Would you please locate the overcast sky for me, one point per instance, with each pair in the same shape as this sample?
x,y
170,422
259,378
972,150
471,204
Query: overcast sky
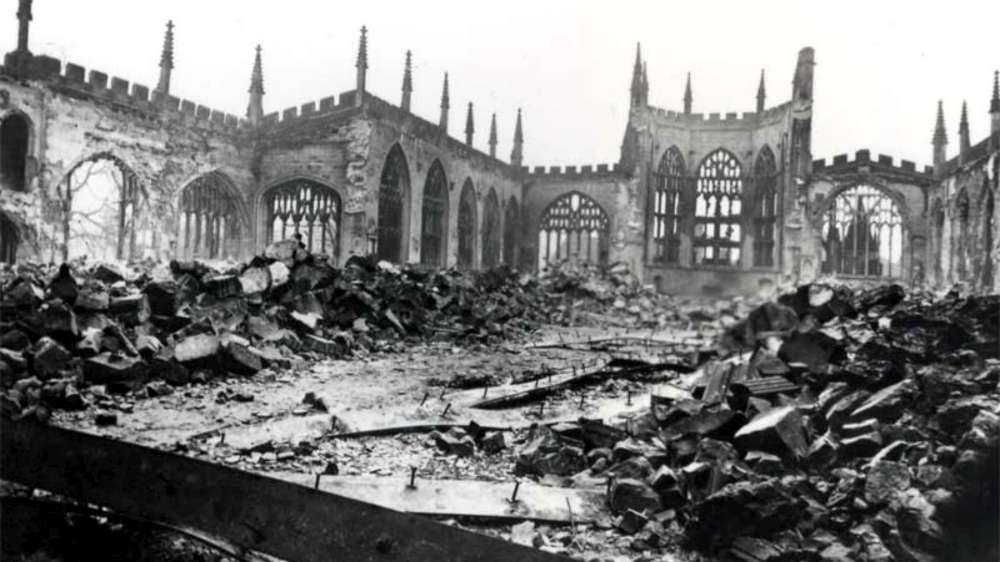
x,y
881,65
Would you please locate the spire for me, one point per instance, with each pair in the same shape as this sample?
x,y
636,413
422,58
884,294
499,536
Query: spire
x,y
445,105
24,25
964,142
761,93
636,89
407,82
166,60
688,98
362,66
940,140
517,153
255,111
493,136
469,126
995,105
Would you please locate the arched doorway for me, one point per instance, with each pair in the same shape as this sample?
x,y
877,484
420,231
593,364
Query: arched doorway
x,y
393,196
491,230
9,238
434,217
718,229
15,135
862,233
467,226
306,208
573,227
104,211
211,219
511,232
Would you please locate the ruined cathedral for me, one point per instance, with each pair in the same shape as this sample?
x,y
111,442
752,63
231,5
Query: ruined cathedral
x,y
97,165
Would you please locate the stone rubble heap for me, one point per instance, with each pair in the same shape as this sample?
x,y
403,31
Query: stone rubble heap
x,y
853,426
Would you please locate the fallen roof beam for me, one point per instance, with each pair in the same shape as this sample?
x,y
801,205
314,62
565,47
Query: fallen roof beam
x,y
286,520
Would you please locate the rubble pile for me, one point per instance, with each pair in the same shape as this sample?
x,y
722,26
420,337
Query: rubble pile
x,y
852,426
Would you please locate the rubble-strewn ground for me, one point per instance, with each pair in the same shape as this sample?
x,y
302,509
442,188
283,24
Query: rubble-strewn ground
x,y
829,424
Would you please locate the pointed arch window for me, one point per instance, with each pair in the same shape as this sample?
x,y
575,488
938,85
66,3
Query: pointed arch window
x,y
393,194
434,217
211,224
511,232
962,249
467,226
574,227
718,232
765,209
491,230
308,209
670,180
863,234
14,139
937,213
9,238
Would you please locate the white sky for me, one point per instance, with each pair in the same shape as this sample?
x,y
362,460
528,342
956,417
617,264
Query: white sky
x,y
881,65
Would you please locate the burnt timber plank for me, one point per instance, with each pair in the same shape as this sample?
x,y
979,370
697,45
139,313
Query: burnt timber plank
x,y
286,520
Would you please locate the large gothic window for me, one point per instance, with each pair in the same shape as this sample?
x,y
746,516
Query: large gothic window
x,y
467,226
718,207
491,230
434,217
14,136
511,232
307,210
104,212
667,207
863,234
574,227
211,219
394,190
765,208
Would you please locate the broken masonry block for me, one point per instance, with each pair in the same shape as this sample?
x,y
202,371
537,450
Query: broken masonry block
x,y
888,404
321,345
823,451
110,367
170,371
162,298
224,286
93,296
279,273
545,452
196,348
719,424
860,428
306,320
861,446
663,479
815,349
158,388
241,358
131,310
777,431
107,273
884,480
255,280
103,419
493,442
14,339
453,443
147,345
638,468
49,358
627,493
281,250
632,521
842,408
59,321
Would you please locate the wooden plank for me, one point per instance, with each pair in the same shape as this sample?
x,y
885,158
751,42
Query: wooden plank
x,y
286,520
464,498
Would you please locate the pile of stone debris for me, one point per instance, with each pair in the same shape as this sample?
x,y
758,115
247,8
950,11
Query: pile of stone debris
x,y
846,426
146,329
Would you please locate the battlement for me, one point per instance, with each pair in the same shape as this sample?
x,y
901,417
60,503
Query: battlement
x,y
731,119
863,158
290,116
572,172
138,97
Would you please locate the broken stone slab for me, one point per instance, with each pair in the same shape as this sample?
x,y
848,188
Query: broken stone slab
x,y
493,442
628,493
523,534
663,479
815,349
241,358
279,273
720,424
162,298
196,348
861,446
632,521
454,442
108,367
255,280
94,297
843,408
547,453
170,371
49,358
888,404
224,286
777,431
131,310
884,480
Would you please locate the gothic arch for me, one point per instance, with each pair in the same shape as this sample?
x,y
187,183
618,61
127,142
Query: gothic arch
x,y
573,227
491,230
668,198
393,207
863,228
212,221
10,237
467,226
937,244
765,208
104,208
303,207
434,217
16,141
988,237
718,228
511,232
961,234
